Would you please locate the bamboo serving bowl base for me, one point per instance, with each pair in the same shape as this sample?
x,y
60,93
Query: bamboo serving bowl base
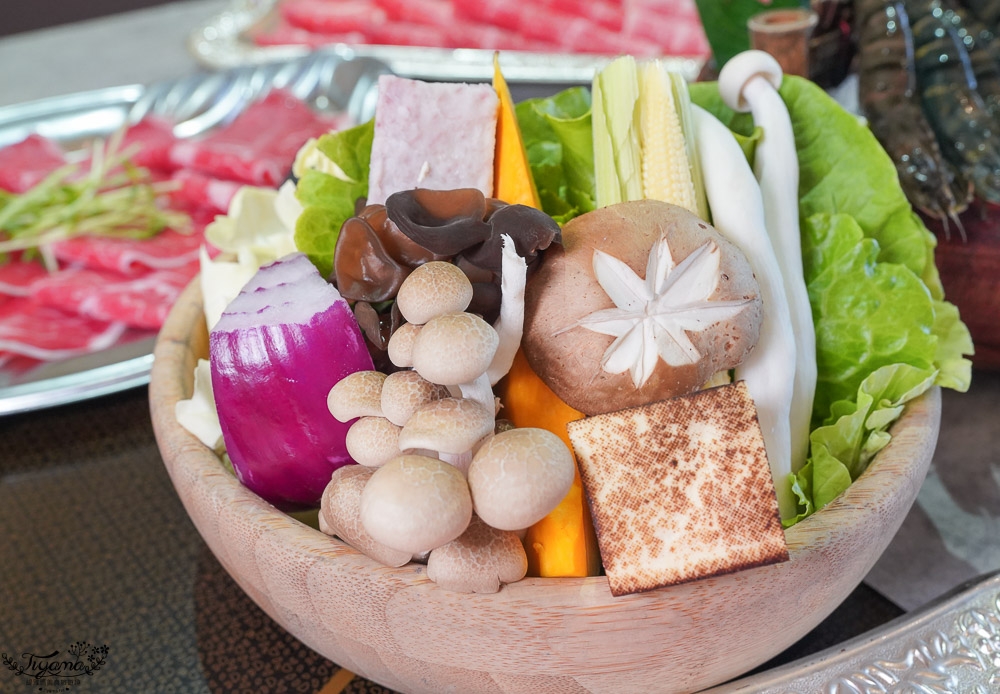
x,y
539,635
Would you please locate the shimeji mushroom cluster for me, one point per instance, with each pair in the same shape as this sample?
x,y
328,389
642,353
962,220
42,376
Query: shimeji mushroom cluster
x,y
437,482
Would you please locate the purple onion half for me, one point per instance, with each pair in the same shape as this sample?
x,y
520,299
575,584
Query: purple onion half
x,y
278,349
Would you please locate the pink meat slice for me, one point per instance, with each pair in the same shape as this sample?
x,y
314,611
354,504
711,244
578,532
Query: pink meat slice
x,y
155,137
284,34
328,17
18,276
432,135
406,34
467,34
196,190
166,251
676,35
31,329
140,302
501,13
27,162
607,14
259,146
433,12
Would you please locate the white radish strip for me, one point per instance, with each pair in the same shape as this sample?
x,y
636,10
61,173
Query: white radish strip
x,y
747,83
738,214
510,324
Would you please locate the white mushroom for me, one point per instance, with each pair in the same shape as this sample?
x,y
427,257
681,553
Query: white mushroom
x,y
478,561
456,349
432,289
450,427
401,345
414,504
519,476
356,395
404,392
769,370
340,515
371,441
750,82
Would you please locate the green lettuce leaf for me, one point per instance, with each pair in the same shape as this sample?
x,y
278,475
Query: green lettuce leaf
x,y
328,200
559,142
954,340
867,313
842,449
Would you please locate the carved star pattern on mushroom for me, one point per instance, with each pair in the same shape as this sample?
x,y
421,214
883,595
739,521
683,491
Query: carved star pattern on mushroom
x,y
653,316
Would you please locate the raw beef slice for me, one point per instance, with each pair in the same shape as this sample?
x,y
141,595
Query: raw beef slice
x,y
259,146
141,302
17,276
164,251
24,164
34,330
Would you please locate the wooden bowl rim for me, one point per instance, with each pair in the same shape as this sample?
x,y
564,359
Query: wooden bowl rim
x,y
172,377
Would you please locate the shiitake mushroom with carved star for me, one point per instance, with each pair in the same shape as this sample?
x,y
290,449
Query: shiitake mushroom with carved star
x,y
644,301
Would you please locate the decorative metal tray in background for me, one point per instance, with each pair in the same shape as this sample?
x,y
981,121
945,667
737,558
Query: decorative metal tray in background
x,y
950,646
326,81
223,41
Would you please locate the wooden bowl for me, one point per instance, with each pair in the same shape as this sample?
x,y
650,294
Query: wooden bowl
x,y
396,627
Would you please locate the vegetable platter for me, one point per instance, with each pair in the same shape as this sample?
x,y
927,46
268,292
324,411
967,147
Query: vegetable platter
x,y
648,351
195,105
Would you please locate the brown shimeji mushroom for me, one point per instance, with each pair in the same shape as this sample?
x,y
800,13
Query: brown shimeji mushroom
x,y
401,345
479,561
371,441
449,427
519,476
340,515
414,503
357,395
404,392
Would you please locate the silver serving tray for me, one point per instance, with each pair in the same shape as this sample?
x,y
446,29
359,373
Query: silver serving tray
x,y
950,646
222,42
326,81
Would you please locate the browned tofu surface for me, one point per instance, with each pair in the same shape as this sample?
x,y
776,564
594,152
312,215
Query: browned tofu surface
x,y
680,489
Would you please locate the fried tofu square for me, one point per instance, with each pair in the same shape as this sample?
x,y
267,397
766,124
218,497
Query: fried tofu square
x,y
680,489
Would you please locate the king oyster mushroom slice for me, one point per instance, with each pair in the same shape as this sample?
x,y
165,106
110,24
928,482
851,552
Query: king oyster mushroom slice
x,y
371,441
404,392
414,503
450,427
432,289
356,395
519,476
401,345
340,515
478,561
